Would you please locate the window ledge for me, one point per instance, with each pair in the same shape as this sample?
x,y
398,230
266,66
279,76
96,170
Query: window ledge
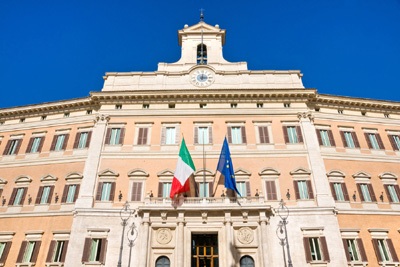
x,y
54,264
357,263
25,264
93,264
388,263
319,263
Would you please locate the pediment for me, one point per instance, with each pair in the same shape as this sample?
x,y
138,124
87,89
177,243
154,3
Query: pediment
x,y
2,181
108,172
166,172
208,172
269,171
362,174
388,175
48,177
242,172
300,171
336,173
23,179
138,172
206,28
73,175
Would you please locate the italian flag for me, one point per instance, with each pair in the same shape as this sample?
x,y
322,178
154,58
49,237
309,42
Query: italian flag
x,y
184,168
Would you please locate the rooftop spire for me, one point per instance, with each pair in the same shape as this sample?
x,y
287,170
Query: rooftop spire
x,y
201,14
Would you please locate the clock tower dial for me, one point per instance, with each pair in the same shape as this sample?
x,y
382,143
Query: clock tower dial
x,y
202,77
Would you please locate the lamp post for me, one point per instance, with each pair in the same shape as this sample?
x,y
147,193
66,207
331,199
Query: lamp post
x,y
279,234
125,214
283,212
131,235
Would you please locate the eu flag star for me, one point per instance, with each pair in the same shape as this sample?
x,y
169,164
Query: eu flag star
x,y
227,166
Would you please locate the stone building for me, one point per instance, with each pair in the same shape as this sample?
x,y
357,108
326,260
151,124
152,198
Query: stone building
x,y
68,167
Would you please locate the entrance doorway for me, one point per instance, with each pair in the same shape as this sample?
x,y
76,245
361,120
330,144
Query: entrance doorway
x,y
205,250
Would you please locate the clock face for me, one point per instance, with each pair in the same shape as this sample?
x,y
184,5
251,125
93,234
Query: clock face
x,y
202,77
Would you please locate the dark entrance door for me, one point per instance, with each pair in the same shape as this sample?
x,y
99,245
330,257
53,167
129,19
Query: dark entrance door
x,y
205,250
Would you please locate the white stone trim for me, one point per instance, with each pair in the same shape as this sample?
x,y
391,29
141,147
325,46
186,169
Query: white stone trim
x,y
94,232
22,180
63,131
313,231
39,134
349,233
378,233
61,235
6,236
148,140
34,235
116,124
48,179
73,178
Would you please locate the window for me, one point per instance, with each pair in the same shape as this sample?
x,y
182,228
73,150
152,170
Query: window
x,y
82,140
44,118
136,191
170,139
170,134
163,262
316,249
89,111
363,113
204,189
166,190
374,141
115,136
44,195
142,138
171,105
59,142
17,197
203,105
12,147
118,106
66,115
35,145
303,189
146,106
325,138
233,105
263,134
354,250
351,246
22,120
384,250
340,111
386,115
393,193
317,109
395,141
243,188
72,193
28,252
246,261
339,191
57,251
237,135
349,139
203,135
94,250
260,105
4,249
286,105
105,191
201,54
366,192
270,190
292,134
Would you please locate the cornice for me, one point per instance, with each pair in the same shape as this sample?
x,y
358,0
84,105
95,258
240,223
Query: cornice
x,y
355,119
43,161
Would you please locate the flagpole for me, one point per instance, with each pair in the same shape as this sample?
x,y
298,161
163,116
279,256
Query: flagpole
x,y
204,168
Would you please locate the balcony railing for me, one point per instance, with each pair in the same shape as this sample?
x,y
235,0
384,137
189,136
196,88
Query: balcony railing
x,y
190,201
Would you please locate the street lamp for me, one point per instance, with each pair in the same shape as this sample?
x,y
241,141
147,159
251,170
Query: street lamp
x,y
279,234
131,235
125,214
283,212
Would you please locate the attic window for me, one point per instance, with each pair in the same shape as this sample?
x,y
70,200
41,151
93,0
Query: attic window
x,y
201,54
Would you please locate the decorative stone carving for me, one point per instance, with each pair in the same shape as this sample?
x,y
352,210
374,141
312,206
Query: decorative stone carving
x,y
164,215
245,215
204,216
245,235
102,118
164,236
306,115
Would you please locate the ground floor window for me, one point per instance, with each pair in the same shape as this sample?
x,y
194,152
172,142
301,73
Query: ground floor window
x,y
162,262
205,250
246,261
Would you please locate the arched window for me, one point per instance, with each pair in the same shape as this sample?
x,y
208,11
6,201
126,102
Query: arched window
x,y
246,261
164,262
202,54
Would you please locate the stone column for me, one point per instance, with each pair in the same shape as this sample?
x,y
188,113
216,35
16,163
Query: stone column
x,y
145,242
180,248
317,166
229,240
264,238
86,192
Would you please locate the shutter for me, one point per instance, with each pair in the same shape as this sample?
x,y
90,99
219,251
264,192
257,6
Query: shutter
x,y
296,189
244,138
325,251
103,250
18,146
397,189
163,135
307,249
140,137
362,250
196,135
285,134
248,189
112,191
86,250
77,138
345,192
145,133
379,140
51,251
360,192
333,191
28,149
50,194
12,197
230,135
64,251
346,250
198,189
65,142
99,189
392,250
89,138
268,190
331,139
210,134
392,142
65,194
319,137
376,248
371,192
76,192
210,189
121,136
39,195
134,191
22,251
355,140
263,134
53,143
36,251
41,144
23,196
5,252
7,147
1,191
343,139
299,134
310,190
272,195
177,134
387,193
160,189
368,140
108,136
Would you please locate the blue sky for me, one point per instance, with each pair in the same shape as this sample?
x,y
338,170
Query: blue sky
x,y
56,50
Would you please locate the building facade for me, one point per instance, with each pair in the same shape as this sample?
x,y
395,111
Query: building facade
x,y
68,167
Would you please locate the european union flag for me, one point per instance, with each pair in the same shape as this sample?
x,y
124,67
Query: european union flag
x,y
225,167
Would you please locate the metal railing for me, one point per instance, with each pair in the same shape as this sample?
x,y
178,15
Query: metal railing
x,y
204,200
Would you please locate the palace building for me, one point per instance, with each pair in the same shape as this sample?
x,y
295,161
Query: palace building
x,y
68,167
